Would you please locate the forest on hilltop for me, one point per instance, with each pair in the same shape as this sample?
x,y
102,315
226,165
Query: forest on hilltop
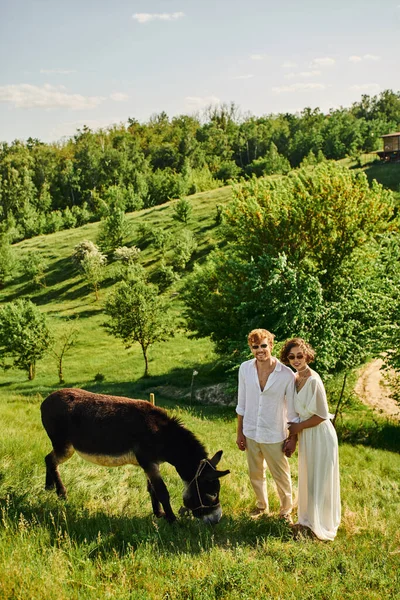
x,y
48,187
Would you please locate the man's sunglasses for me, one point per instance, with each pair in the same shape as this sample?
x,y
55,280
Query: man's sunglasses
x,y
260,346
293,356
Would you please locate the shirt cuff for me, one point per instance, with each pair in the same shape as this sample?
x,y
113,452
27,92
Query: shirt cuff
x,y
240,411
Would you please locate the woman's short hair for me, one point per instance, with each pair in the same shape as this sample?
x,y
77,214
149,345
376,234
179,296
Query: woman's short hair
x,y
302,344
257,335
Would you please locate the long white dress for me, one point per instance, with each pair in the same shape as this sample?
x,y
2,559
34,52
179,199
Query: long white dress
x,y
319,484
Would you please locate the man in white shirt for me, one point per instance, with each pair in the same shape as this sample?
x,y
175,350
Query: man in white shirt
x,y
264,408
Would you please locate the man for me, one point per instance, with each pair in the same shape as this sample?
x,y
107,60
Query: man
x,y
265,406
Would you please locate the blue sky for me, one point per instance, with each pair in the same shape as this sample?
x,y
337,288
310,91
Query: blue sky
x,y
67,63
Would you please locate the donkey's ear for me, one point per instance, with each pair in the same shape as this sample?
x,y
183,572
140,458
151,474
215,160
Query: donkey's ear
x,y
211,474
216,458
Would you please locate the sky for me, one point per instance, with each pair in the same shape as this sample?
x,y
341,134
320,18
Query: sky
x,y
69,63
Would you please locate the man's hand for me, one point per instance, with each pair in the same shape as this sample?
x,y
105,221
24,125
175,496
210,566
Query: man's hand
x,y
289,446
241,441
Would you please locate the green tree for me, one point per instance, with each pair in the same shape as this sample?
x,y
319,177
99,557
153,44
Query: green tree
x,y
34,267
24,335
91,262
7,259
185,246
182,210
66,339
113,231
138,314
301,260
92,268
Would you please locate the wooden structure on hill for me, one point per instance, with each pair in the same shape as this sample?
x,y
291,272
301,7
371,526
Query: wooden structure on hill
x,y
391,147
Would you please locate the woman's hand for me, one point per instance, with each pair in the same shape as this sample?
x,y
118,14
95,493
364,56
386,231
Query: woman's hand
x,y
295,428
241,441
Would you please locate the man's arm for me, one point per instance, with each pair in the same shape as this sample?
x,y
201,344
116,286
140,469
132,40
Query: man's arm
x,y
240,409
241,438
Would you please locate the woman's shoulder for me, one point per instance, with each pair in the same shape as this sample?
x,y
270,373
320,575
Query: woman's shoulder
x,y
316,379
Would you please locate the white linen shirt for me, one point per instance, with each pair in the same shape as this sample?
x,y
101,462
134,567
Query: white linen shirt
x,y
266,412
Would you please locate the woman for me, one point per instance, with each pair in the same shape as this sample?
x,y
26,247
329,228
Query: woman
x,y
319,485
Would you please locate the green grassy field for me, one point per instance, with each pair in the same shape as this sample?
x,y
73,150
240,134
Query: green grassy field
x,y
103,542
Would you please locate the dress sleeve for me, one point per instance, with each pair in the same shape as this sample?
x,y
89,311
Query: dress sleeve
x,y
318,404
241,404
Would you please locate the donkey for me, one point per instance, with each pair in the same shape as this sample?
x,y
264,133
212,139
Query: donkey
x,y
114,431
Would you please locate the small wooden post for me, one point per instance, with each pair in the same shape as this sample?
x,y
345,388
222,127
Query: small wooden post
x,y
152,399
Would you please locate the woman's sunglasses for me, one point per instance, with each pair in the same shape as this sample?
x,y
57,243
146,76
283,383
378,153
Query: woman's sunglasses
x,y
260,346
293,356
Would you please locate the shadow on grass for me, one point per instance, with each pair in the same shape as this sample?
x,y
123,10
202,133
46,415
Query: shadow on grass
x,y
382,435
388,174
103,535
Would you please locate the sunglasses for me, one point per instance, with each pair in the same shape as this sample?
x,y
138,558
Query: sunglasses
x,y
293,356
260,346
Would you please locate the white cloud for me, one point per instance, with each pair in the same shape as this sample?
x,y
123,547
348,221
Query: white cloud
x,y
299,87
197,102
289,65
366,87
119,97
305,74
322,62
25,95
147,17
371,57
249,76
57,71
258,56
357,59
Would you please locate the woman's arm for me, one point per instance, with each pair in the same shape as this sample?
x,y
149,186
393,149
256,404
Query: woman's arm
x,y
311,422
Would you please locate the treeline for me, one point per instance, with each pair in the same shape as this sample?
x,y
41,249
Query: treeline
x,y
48,187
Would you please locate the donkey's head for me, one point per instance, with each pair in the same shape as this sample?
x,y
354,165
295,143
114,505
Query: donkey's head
x,y
201,496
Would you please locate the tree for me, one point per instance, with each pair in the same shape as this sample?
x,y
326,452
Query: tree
x,y
93,270
24,335
7,259
91,263
34,266
182,210
138,314
185,246
113,231
66,339
301,260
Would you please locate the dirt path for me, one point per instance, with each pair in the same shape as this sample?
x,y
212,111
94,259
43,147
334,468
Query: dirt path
x,y
372,390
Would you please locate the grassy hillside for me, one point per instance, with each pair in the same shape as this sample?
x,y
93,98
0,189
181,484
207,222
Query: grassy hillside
x,y
103,542
67,295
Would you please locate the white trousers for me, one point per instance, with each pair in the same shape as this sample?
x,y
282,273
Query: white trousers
x,y
278,465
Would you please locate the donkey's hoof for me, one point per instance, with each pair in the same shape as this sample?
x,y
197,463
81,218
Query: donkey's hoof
x,y
50,486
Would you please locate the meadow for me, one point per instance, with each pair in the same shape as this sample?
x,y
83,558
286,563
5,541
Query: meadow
x,y
103,542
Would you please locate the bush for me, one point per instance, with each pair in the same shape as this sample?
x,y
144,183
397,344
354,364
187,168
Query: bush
x,y
182,210
184,248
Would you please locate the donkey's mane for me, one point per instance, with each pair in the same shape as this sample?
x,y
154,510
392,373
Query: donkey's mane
x,y
176,428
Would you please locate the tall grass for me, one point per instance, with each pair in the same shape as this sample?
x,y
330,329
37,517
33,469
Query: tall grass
x,y
103,542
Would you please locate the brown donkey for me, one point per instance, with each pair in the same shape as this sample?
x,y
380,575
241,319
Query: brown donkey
x,y
114,431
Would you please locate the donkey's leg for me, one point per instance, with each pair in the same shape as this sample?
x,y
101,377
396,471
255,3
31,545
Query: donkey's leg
x,y
52,460
154,501
158,491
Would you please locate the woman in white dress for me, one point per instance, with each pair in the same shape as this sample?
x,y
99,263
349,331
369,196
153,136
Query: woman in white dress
x,y
319,484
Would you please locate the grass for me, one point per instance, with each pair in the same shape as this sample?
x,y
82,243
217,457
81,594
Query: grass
x,y
103,542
